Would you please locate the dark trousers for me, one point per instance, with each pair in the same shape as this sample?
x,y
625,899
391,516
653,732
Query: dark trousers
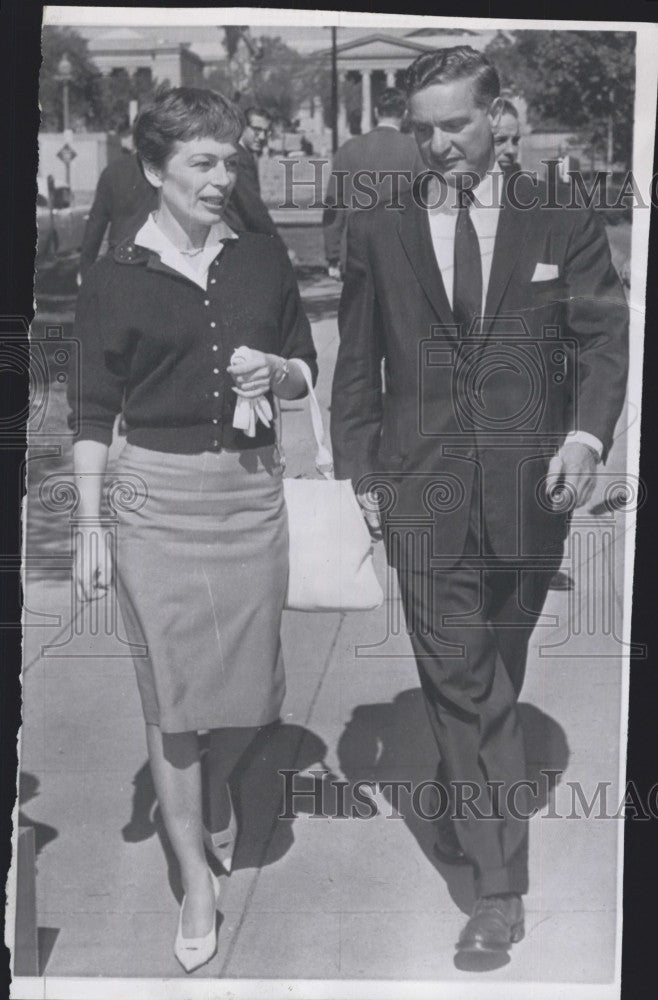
x,y
470,626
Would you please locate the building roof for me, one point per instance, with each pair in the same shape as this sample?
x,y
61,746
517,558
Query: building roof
x,y
124,41
430,32
376,46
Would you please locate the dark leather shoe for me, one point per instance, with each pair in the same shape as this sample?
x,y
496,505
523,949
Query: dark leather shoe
x,y
495,924
446,845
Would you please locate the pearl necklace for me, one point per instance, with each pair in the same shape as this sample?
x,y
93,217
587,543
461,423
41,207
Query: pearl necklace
x,y
192,253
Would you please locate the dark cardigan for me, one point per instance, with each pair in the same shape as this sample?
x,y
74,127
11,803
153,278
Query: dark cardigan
x,y
155,345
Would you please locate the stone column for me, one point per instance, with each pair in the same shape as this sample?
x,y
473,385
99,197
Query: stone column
x,y
366,102
390,77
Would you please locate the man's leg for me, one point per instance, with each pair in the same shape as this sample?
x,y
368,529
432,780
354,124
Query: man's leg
x,y
472,709
519,597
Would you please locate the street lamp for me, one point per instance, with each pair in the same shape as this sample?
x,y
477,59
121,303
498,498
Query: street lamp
x,y
65,75
334,91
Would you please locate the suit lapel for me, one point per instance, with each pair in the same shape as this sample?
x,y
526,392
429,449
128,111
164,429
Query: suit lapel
x,y
511,234
414,232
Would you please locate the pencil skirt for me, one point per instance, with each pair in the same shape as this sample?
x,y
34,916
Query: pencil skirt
x,y
202,572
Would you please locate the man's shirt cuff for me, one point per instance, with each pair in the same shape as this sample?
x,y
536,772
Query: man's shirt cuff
x,y
582,437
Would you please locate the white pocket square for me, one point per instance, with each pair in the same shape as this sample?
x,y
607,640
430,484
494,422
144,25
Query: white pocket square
x,y
546,272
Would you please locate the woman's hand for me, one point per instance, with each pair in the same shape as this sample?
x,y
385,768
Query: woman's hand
x,y
93,562
253,377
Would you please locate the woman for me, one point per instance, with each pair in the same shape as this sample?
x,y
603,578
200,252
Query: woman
x,y
201,564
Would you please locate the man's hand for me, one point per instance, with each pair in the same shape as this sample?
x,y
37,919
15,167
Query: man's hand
x,y
93,564
571,475
370,510
334,272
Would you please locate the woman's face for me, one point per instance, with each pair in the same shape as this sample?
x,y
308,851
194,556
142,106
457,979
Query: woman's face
x,y
196,181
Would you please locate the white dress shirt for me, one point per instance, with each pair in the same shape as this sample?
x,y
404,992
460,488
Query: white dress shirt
x,y
193,266
484,212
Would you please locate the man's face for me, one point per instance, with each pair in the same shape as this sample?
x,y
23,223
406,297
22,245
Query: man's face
x,y
507,135
256,134
453,132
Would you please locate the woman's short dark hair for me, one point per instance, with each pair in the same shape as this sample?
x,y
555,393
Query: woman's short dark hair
x,y
180,114
457,63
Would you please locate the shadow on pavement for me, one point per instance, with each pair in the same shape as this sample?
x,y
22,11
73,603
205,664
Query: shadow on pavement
x,y
258,795
46,940
28,789
392,741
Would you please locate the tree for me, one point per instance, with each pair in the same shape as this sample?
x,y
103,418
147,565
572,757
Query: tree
x,y
96,102
581,80
116,92
84,89
279,77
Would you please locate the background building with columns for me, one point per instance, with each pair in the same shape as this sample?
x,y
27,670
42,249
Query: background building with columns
x,y
125,49
378,61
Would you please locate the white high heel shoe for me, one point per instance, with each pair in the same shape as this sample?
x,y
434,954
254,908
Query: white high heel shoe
x,y
222,844
192,953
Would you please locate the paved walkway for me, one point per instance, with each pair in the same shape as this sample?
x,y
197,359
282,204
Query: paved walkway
x,y
313,898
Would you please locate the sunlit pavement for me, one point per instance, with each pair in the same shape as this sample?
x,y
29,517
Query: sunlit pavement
x,y
314,897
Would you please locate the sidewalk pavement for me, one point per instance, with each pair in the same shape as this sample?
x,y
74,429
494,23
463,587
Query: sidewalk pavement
x,y
318,898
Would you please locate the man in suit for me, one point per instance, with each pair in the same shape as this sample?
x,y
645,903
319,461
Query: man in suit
x,y
384,149
123,201
503,332
507,135
246,209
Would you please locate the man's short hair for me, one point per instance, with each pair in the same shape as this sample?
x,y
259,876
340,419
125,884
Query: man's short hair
x,y
460,62
506,107
391,104
256,112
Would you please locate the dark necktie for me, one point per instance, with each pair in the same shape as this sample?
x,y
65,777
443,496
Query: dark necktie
x,y
467,286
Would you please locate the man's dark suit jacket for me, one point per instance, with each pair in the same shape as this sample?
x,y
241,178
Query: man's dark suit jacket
x,y
123,201
246,211
384,148
489,409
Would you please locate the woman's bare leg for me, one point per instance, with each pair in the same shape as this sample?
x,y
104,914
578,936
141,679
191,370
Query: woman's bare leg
x,y
176,773
226,748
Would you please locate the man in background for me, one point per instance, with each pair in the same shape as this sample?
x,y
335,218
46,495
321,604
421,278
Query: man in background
x,y
246,209
384,149
123,201
507,136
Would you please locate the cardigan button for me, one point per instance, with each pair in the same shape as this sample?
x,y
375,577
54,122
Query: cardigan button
x,y
215,393
213,325
214,347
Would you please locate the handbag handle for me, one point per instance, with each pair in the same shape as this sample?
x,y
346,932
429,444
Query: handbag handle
x,y
324,462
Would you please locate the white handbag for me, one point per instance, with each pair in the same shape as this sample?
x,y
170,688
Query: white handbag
x,y
331,566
